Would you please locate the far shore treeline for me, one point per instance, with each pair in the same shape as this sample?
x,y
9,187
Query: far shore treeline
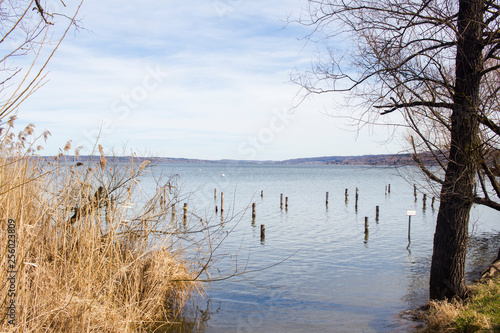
x,y
387,159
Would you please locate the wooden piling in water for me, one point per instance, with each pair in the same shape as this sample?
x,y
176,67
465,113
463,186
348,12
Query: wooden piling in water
x,y
366,225
346,195
221,202
281,201
286,203
262,193
253,211
356,200
173,211
215,194
389,188
424,201
262,232
415,191
377,211
409,228
185,211
327,199
432,202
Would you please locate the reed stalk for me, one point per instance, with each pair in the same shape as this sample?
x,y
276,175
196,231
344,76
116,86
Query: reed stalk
x,y
91,252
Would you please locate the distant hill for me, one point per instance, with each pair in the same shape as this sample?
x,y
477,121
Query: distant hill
x,y
399,159
390,159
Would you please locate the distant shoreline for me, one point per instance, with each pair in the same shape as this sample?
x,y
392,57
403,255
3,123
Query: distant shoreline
x,y
369,160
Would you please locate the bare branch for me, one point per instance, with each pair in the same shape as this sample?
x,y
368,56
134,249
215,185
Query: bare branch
x,y
42,12
393,107
487,202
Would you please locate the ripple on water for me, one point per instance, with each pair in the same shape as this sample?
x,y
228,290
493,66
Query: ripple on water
x,y
334,275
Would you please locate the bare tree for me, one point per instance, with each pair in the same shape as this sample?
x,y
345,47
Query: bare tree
x,y
29,37
436,63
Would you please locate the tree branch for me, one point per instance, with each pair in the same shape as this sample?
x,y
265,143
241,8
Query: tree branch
x,y
487,202
489,123
397,105
42,12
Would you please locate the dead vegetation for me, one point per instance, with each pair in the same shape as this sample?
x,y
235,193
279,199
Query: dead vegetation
x,y
91,253
480,312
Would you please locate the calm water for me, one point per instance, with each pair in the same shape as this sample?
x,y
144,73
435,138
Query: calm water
x,y
335,278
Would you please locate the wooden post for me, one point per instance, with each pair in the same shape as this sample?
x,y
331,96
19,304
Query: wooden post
x,y
326,199
389,189
253,210
286,203
409,228
424,201
366,225
221,202
432,202
377,210
356,200
215,194
173,211
262,193
281,201
185,211
346,195
385,190
262,232
415,191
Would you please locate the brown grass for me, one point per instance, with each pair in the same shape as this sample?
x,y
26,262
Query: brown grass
x,y
87,258
481,312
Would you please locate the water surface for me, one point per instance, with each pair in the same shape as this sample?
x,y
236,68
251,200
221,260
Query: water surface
x,y
335,277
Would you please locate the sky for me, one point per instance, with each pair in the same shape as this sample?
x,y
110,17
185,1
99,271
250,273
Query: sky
x,y
207,79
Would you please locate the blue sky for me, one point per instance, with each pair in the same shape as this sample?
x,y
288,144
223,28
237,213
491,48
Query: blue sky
x,y
197,79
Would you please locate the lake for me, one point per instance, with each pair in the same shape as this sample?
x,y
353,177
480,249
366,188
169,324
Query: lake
x,y
317,270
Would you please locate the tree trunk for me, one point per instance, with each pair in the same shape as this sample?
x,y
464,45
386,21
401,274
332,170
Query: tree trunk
x,y
447,279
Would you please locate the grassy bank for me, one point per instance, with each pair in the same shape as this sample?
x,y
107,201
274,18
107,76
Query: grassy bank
x,y
481,312
82,249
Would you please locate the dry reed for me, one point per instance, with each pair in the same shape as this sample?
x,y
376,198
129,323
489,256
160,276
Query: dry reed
x,y
86,255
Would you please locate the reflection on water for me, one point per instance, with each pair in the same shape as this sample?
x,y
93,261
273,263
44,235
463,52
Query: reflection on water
x,y
338,277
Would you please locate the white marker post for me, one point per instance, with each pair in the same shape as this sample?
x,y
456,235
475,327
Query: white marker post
x,y
410,213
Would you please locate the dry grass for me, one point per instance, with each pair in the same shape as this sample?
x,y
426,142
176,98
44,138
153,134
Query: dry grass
x,y
481,312
86,255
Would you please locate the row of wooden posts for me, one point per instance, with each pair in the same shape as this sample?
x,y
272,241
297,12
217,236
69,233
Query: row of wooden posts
x,y
424,199
185,208
263,228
